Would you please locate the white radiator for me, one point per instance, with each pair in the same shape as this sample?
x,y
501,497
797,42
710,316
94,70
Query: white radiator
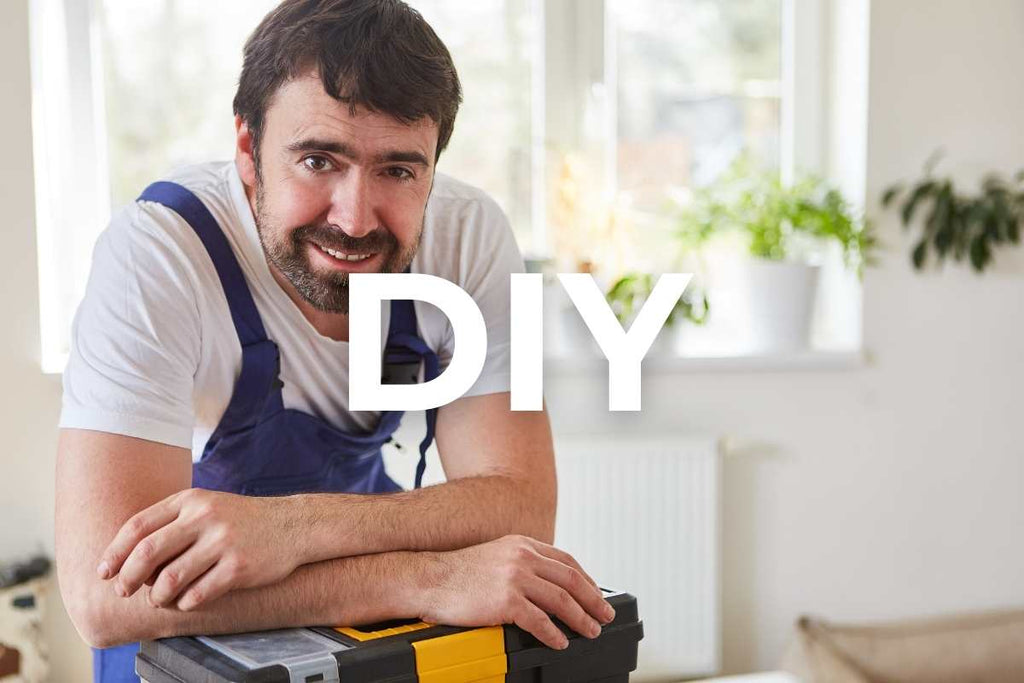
x,y
643,517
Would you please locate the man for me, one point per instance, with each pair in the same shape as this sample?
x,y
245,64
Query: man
x,y
210,351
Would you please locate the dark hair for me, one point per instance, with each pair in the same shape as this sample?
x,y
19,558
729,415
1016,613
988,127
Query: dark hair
x,y
378,54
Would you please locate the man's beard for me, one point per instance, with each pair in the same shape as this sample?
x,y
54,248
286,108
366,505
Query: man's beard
x,y
326,292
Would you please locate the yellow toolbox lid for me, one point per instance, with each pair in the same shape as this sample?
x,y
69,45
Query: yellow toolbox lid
x,y
470,656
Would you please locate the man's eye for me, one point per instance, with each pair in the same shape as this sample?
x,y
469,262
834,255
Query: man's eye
x,y
317,163
400,173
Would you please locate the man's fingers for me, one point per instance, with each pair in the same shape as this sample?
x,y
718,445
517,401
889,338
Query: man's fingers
x,y
208,587
559,602
583,592
158,548
565,558
533,620
138,527
152,577
179,574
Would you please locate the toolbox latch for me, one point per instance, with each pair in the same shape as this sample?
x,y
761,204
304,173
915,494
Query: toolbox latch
x,y
322,669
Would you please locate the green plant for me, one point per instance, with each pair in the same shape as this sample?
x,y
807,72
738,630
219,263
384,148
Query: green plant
x,y
627,295
957,225
775,216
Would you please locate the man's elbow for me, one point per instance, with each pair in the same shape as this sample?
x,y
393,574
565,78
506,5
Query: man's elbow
x,y
96,633
87,617
92,614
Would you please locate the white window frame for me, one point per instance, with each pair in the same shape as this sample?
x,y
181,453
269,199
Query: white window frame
x,y
71,174
571,81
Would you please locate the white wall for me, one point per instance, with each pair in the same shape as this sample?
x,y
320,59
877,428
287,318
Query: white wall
x,y
898,488
889,490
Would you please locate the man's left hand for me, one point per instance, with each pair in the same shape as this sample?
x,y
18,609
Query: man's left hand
x,y
196,545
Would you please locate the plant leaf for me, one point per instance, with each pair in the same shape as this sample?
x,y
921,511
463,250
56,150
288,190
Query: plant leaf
x,y
980,254
919,193
890,194
919,253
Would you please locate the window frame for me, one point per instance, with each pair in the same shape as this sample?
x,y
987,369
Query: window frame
x,y
72,190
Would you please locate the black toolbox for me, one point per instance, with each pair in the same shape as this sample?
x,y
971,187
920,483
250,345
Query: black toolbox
x,y
398,652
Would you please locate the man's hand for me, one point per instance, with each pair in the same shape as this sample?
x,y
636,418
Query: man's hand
x,y
516,580
196,545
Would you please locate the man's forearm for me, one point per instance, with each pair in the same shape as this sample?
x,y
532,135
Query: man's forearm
x,y
353,590
453,515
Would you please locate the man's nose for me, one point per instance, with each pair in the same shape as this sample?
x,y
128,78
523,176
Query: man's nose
x,y
352,206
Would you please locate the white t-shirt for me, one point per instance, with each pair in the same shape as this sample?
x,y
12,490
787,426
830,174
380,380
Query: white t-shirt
x,y
154,353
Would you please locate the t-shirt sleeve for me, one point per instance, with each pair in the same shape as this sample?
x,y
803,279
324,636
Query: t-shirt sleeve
x,y
135,340
488,256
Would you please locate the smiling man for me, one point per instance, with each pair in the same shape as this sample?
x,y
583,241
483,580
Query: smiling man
x,y
210,477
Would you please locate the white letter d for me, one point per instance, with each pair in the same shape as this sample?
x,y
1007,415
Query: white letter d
x,y
366,291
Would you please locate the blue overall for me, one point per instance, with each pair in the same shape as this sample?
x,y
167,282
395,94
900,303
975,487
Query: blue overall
x,y
261,448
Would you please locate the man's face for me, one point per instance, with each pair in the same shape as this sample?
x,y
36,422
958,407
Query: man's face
x,y
338,193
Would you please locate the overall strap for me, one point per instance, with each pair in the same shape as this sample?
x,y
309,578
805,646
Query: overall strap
x,y
404,344
247,319
258,381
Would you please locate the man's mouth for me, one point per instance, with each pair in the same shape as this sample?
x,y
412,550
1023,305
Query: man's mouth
x,y
343,255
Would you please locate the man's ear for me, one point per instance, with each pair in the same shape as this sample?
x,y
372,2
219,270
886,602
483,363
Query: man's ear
x,y
245,160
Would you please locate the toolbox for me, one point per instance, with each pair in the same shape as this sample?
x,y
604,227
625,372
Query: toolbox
x,y
399,652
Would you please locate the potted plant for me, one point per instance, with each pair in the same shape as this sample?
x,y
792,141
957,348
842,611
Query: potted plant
x,y
957,225
784,227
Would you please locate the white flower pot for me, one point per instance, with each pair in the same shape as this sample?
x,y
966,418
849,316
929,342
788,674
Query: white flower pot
x,y
779,302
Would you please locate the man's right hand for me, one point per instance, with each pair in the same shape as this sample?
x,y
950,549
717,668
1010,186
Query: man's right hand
x,y
516,580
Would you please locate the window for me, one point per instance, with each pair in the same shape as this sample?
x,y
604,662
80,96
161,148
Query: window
x,y
169,70
494,45
617,98
697,82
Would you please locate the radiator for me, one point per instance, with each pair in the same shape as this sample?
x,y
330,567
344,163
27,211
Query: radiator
x,y
643,517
